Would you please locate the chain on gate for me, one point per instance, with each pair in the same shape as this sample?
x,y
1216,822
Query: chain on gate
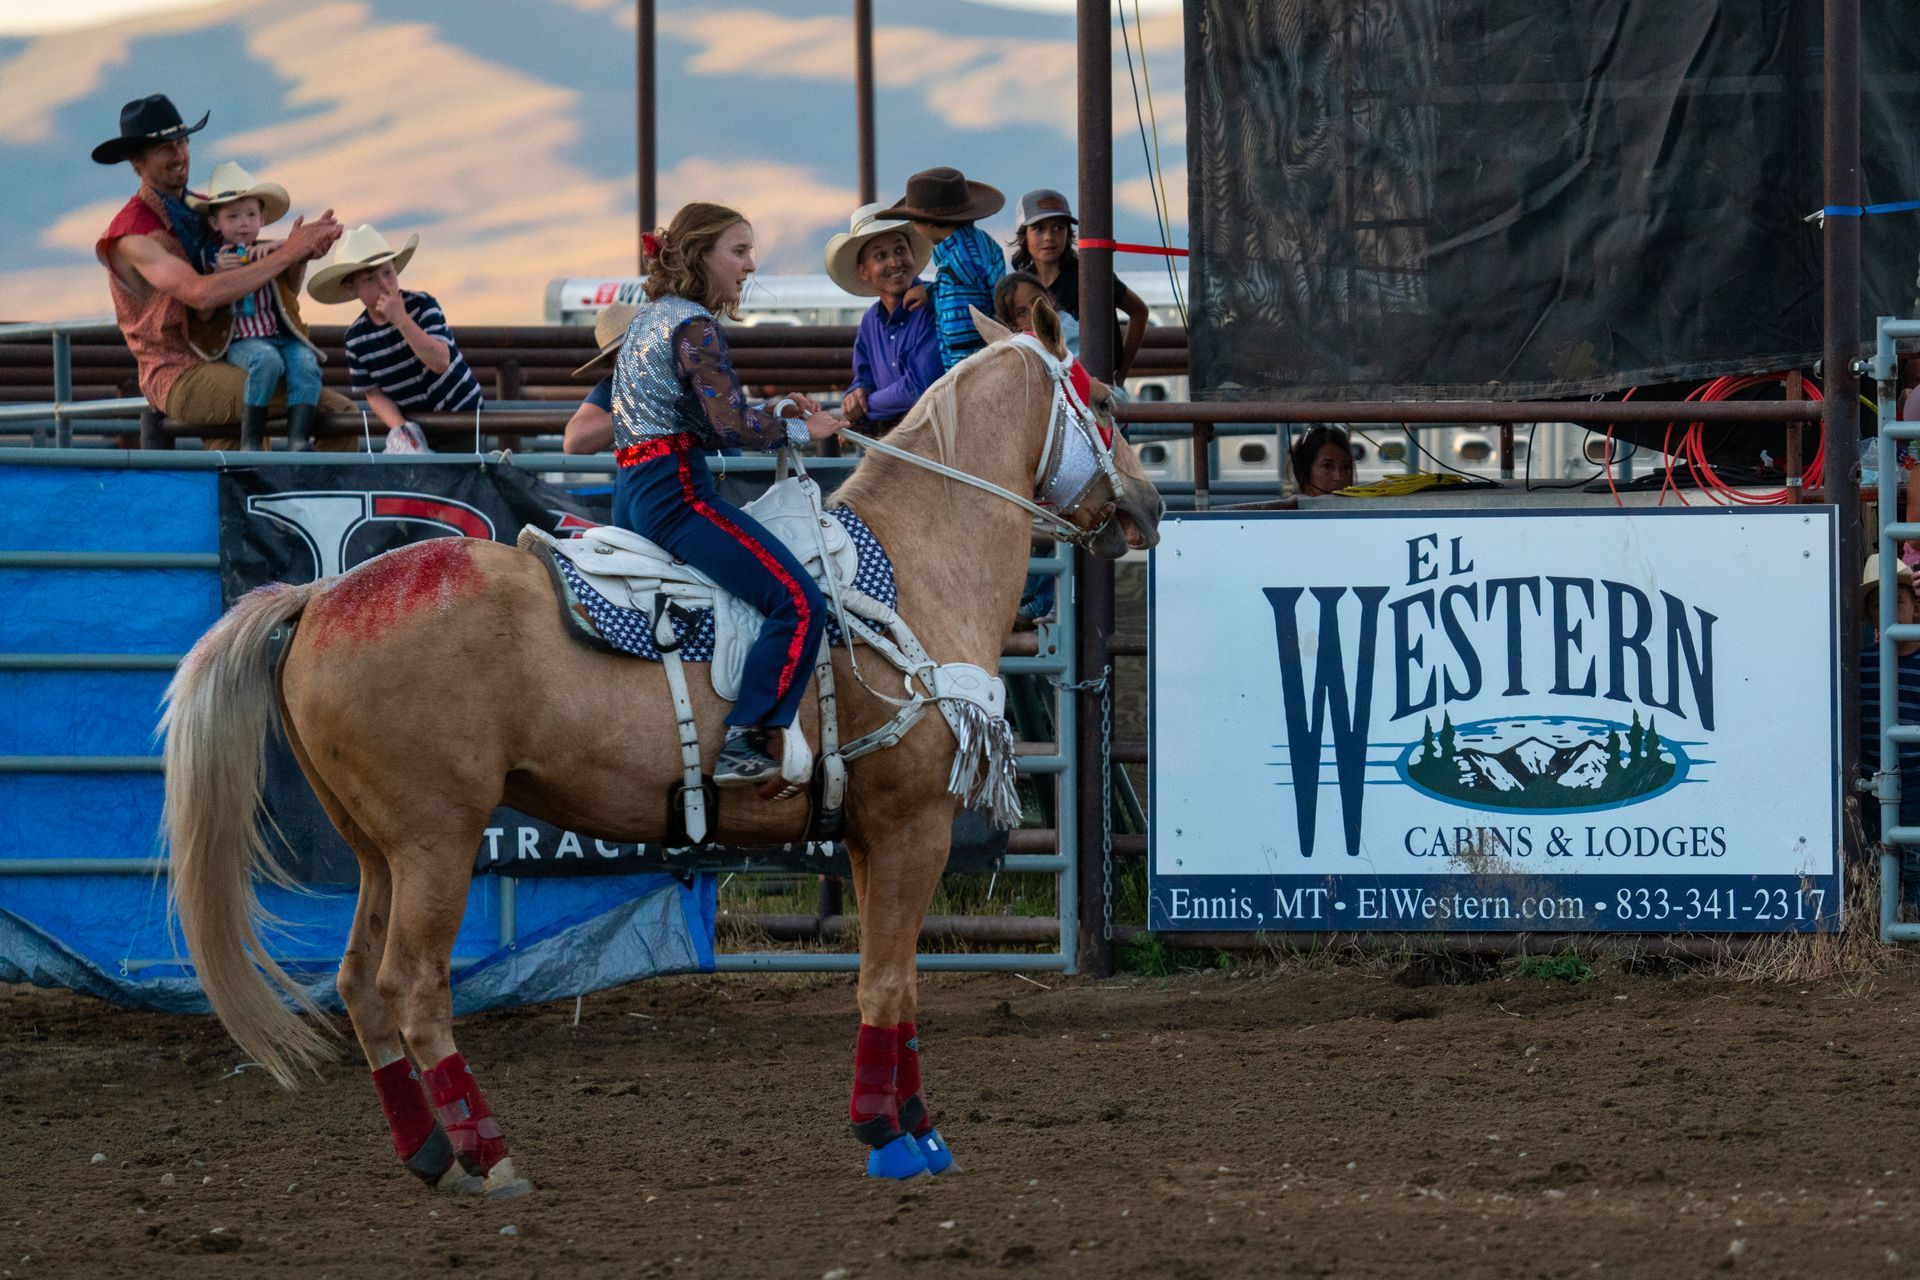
x,y
1104,683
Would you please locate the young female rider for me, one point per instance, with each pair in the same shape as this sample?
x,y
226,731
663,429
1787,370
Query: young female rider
x,y
675,395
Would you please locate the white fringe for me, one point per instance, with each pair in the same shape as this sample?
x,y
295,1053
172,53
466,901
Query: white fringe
x,y
983,774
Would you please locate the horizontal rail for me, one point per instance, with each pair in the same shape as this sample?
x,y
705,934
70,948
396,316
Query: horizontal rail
x,y
849,962
42,329
109,560
990,930
1035,862
90,661
81,866
82,764
125,407
1368,411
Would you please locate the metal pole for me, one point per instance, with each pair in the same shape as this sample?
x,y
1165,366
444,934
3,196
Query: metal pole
x,y
863,97
647,94
62,388
1093,578
1840,405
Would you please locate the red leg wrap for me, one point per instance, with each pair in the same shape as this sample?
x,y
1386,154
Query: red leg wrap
x,y
464,1113
405,1107
907,1100
876,1054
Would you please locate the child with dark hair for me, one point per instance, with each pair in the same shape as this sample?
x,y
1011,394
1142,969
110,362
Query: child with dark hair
x,y
1043,245
1322,462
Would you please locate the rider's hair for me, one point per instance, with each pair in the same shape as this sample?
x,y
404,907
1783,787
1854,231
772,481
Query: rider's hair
x,y
677,262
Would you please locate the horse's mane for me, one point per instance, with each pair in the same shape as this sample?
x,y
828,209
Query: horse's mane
x,y
934,419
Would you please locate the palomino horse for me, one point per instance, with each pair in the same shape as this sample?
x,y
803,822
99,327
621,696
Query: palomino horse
x,y
429,686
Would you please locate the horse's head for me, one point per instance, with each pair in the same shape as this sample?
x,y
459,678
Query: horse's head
x,y
1086,472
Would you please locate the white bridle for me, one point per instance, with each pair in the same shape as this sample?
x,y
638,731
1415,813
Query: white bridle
x,y
1072,459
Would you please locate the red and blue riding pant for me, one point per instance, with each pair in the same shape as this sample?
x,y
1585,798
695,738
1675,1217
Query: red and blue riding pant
x,y
665,492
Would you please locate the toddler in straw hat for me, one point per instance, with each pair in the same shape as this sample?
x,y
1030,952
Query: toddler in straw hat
x,y
261,333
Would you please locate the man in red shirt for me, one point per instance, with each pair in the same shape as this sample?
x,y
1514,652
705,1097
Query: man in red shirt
x,y
155,255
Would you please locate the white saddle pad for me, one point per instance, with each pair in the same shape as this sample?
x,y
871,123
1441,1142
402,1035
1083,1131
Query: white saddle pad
x,y
631,571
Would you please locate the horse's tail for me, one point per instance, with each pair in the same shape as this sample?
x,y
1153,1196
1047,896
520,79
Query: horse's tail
x,y
219,709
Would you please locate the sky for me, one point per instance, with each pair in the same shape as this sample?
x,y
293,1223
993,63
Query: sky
x,y
502,130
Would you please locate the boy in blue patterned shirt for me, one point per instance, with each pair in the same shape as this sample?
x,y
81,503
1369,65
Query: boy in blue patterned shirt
x,y
943,206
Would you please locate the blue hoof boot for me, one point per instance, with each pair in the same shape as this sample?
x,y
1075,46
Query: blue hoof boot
x,y
934,1148
900,1159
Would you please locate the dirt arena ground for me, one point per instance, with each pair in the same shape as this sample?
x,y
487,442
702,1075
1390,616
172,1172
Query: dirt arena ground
x,y
1332,1122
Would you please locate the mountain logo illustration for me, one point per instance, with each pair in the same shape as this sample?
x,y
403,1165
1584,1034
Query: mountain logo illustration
x,y
1544,764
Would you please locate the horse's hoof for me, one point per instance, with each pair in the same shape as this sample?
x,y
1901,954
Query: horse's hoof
x,y
938,1155
900,1159
503,1184
458,1182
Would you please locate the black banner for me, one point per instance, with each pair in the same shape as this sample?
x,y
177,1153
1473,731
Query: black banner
x,y
299,523
1505,198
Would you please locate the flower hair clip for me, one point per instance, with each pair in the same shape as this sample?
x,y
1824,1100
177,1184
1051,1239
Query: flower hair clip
x,y
650,244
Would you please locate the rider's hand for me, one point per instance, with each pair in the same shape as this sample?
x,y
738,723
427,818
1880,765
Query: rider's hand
x,y
916,297
806,404
822,424
229,257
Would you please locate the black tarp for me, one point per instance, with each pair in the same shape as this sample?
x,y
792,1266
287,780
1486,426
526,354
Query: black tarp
x,y
1502,198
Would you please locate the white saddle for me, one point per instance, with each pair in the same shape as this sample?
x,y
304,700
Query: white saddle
x,y
631,570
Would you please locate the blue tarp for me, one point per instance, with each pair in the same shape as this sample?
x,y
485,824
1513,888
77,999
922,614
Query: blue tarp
x,y
107,933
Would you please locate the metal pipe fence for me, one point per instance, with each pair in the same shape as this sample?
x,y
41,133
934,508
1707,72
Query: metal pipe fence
x,y
1885,786
1045,653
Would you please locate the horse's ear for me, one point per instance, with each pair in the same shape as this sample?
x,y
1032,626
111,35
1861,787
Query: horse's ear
x,y
989,329
1046,327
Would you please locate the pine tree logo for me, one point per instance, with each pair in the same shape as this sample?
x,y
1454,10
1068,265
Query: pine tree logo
x,y
1543,764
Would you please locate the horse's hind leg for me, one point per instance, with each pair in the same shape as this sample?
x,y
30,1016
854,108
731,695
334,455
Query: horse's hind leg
x,y
418,1139
429,897
422,1145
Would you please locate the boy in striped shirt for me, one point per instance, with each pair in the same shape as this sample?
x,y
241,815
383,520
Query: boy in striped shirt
x,y
400,353
261,333
943,206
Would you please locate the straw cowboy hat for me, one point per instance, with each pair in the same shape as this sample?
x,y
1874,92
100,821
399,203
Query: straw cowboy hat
x,y
609,334
1870,580
843,251
143,122
359,249
945,196
230,182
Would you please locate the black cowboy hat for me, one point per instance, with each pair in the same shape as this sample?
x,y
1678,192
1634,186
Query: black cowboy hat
x,y
945,196
144,122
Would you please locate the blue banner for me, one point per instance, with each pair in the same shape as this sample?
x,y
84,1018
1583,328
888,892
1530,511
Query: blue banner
x,y
99,924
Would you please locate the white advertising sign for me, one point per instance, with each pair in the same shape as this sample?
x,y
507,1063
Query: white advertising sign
x,y
1549,720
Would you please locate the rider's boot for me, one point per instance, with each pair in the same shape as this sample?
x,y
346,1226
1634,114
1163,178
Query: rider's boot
x,y
253,427
300,426
746,758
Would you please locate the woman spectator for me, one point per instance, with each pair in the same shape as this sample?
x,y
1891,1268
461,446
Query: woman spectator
x,y
1322,462
1043,245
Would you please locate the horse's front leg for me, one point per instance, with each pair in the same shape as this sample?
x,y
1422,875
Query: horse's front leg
x,y
894,881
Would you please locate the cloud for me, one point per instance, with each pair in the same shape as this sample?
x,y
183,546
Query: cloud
x,y
395,123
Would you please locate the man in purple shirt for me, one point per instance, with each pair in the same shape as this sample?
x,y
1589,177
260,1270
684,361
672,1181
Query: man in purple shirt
x,y
896,353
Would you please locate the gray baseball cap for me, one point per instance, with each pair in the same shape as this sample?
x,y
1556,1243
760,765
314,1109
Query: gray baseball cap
x,y
1040,205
